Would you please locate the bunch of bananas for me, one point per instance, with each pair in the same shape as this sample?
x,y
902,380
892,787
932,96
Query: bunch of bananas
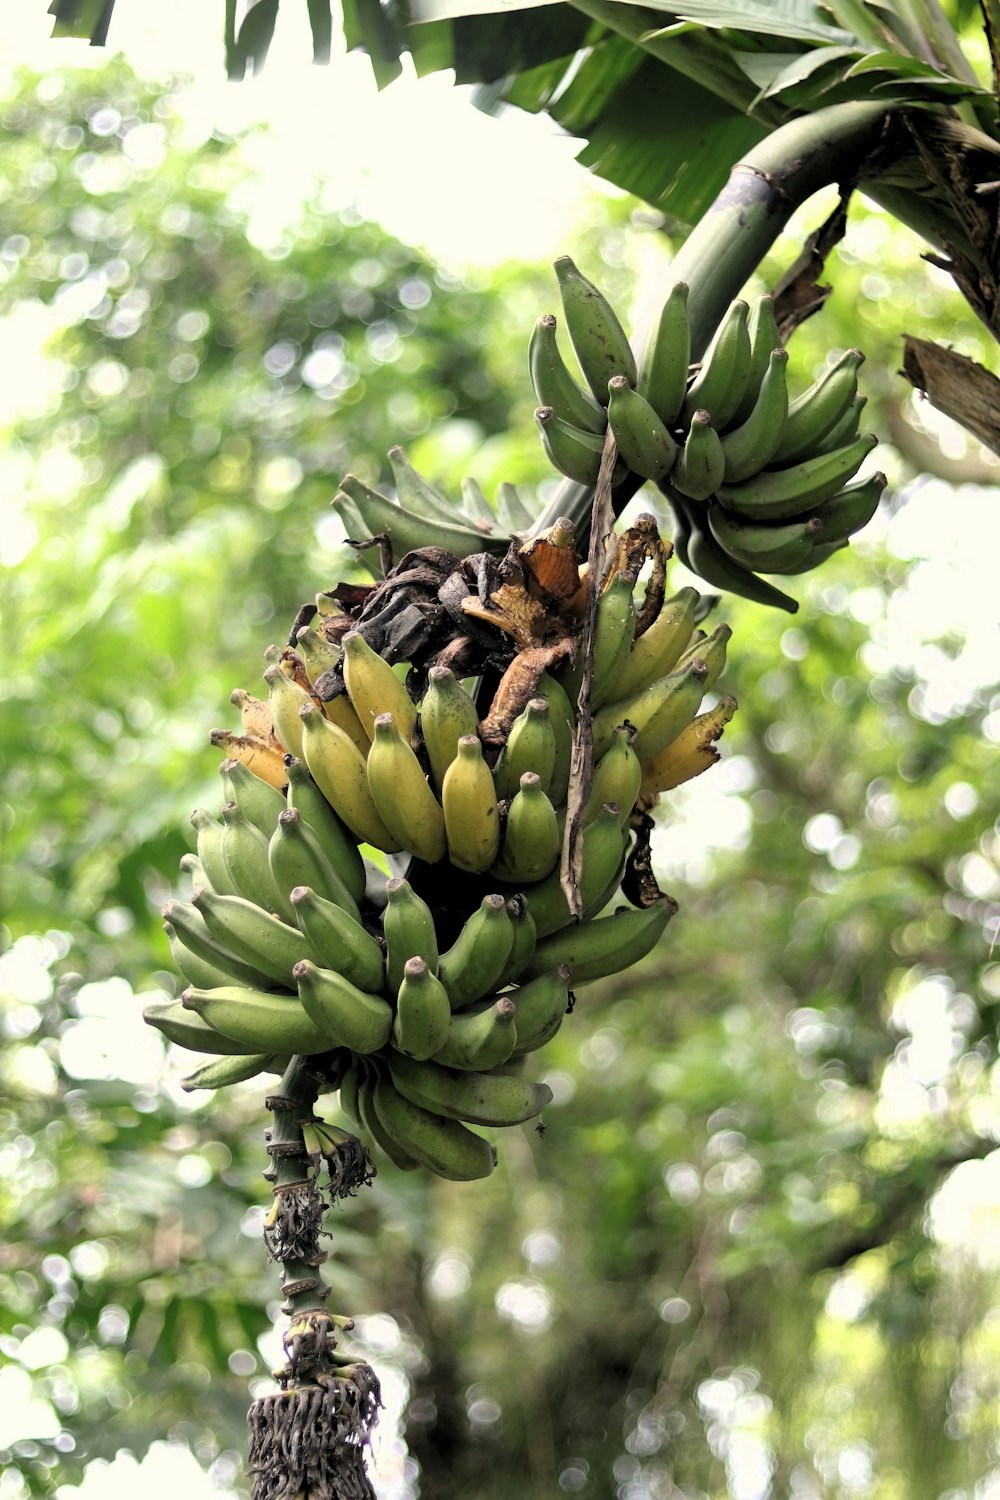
x,y
382,891
758,482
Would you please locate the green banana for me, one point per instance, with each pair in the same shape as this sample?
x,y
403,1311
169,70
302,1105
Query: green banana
x,y
262,1021
209,831
263,941
614,632
604,849
850,509
531,746
532,839
444,1146
297,857
700,463
417,494
469,804
191,933
769,546
764,339
341,773
658,649
593,950
405,802
523,945
663,365
368,1118
669,701
815,411
541,1007
574,451
409,930
596,334
347,1016
194,969
337,941
374,688
406,530
476,507
721,384
193,868
513,513
776,494
480,1040
315,811
751,445
817,554
284,699
244,849
617,776
186,1029
706,558
554,385
349,1090
643,441
479,1098
259,802
563,719
712,652
318,654
423,1012
220,1072
844,431
475,962
446,714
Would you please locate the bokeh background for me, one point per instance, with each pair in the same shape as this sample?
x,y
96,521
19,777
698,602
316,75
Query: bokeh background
x,y
755,1253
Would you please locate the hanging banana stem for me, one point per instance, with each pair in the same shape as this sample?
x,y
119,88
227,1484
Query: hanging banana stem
x,y
309,1436
729,241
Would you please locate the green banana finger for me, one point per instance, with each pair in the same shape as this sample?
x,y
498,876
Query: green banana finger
x,y
480,1040
721,384
337,843
700,464
554,385
297,857
531,746
186,1029
209,833
617,776
769,546
444,1146
337,941
475,962
776,494
513,513
657,651
447,712
608,945
811,415
764,339
643,440
574,451
563,719
220,1072
747,448
604,849
346,1016
244,849
417,494
262,1021
523,945
264,941
258,801
406,531
531,839
409,929
596,334
541,1007
707,559
423,1012
341,773
850,509
194,969
193,934
672,700
663,366
476,1097
475,506
368,1117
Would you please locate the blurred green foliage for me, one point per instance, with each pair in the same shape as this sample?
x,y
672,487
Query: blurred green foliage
x,y
736,1262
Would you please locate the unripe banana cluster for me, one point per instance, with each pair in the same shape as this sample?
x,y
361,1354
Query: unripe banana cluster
x,y
758,482
421,994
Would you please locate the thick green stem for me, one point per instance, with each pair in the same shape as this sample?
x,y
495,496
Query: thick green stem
x,y
304,1288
